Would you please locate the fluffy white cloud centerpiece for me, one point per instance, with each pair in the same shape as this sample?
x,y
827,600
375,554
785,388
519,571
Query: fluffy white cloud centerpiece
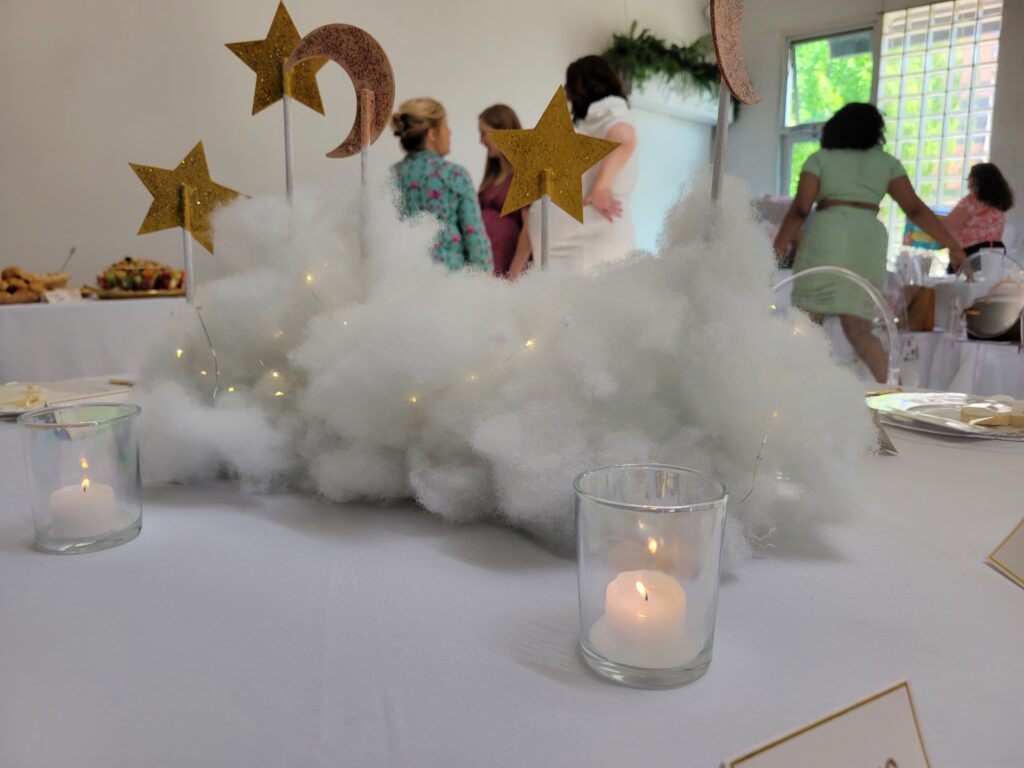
x,y
382,376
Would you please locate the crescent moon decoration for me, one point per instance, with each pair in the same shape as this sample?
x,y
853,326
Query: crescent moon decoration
x,y
726,23
366,63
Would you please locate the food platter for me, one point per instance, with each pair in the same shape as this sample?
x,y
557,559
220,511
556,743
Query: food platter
x,y
153,293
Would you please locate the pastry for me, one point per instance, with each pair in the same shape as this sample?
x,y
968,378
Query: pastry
x,y
20,287
986,413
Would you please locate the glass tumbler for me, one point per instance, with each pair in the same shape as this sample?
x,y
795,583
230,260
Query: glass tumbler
x,y
82,464
649,544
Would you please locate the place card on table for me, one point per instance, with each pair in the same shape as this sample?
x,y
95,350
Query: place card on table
x,y
880,731
1008,557
61,296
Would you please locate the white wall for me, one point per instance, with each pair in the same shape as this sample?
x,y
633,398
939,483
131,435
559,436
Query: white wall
x,y
753,150
90,85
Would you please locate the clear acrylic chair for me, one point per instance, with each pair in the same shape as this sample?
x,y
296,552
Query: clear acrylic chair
x,y
991,296
884,312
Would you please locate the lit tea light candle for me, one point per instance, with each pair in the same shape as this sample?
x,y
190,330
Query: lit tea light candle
x,y
644,623
83,510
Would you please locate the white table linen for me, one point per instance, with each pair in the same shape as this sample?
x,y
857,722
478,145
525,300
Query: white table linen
x,y
282,631
47,342
973,367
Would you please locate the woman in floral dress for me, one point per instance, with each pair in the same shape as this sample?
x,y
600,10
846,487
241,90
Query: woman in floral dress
x,y
430,183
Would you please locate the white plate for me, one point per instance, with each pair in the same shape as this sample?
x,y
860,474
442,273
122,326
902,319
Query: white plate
x,y
18,397
936,413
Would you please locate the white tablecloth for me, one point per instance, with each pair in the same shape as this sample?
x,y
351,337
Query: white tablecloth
x,y
280,631
45,342
974,367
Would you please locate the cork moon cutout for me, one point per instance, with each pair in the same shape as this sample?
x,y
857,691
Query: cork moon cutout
x,y
726,22
361,56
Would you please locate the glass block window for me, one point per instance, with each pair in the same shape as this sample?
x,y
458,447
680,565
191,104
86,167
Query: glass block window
x,y
936,88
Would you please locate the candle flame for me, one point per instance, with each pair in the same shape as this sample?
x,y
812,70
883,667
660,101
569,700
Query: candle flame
x,y
85,485
179,353
85,464
279,393
529,343
641,589
309,278
275,374
652,545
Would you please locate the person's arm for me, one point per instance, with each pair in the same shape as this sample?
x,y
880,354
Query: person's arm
x,y
475,243
600,194
523,249
799,210
902,191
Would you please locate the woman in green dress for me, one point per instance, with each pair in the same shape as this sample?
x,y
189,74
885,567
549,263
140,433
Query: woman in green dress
x,y
844,182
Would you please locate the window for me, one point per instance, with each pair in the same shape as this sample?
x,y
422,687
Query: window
x,y
824,73
936,88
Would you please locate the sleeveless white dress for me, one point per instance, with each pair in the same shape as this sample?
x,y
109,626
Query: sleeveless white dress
x,y
583,247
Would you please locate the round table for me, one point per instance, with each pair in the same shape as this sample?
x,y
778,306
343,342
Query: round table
x,y
280,630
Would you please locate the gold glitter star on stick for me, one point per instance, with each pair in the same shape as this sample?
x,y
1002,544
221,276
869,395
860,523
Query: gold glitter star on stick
x,y
266,57
203,194
550,159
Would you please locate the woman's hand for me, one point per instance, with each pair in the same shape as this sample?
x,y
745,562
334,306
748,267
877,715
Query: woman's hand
x,y
958,260
606,204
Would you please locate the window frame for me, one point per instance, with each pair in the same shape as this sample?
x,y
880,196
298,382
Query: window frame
x,y
794,134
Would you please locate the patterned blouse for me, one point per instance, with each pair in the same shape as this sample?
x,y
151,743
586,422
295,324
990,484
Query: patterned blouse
x,y
973,222
429,183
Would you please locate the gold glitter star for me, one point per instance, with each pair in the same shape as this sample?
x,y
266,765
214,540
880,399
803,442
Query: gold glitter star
x,y
205,195
265,58
552,146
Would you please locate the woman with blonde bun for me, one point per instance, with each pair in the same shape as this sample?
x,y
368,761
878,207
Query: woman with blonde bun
x,y
430,183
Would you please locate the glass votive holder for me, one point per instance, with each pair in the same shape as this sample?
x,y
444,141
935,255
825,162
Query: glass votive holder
x,y
649,542
82,463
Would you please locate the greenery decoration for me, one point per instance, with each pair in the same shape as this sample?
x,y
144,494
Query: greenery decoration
x,y
639,57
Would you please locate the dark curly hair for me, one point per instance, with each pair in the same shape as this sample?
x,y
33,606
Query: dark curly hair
x,y
991,186
588,80
855,126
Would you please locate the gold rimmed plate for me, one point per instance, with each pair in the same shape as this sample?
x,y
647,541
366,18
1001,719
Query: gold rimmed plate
x,y
936,413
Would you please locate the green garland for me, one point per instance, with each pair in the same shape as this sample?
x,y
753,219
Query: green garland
x,y
639,57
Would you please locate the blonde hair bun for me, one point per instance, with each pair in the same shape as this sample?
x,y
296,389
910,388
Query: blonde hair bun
x,y
413,119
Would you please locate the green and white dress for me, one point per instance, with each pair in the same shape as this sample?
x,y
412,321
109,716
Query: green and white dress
x,y
844,235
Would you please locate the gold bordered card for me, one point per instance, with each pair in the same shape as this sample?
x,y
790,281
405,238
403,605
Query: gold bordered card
x,y
1008,557
880,731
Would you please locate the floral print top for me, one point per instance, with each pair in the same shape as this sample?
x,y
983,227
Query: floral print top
x,y
429,183
973,222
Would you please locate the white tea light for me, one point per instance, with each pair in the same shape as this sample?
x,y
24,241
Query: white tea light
x,y
649,546
644,623
82,466
84,510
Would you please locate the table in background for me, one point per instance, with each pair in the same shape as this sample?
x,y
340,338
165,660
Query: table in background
x,y
46,342
973,367
250,631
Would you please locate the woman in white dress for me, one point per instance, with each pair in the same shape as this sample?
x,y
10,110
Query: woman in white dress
x,y
599,108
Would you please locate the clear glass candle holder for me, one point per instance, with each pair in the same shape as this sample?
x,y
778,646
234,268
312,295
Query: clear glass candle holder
x,y
649,544
82,463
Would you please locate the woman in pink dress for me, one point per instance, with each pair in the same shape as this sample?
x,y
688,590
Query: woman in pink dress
x,y
977,221
506,232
